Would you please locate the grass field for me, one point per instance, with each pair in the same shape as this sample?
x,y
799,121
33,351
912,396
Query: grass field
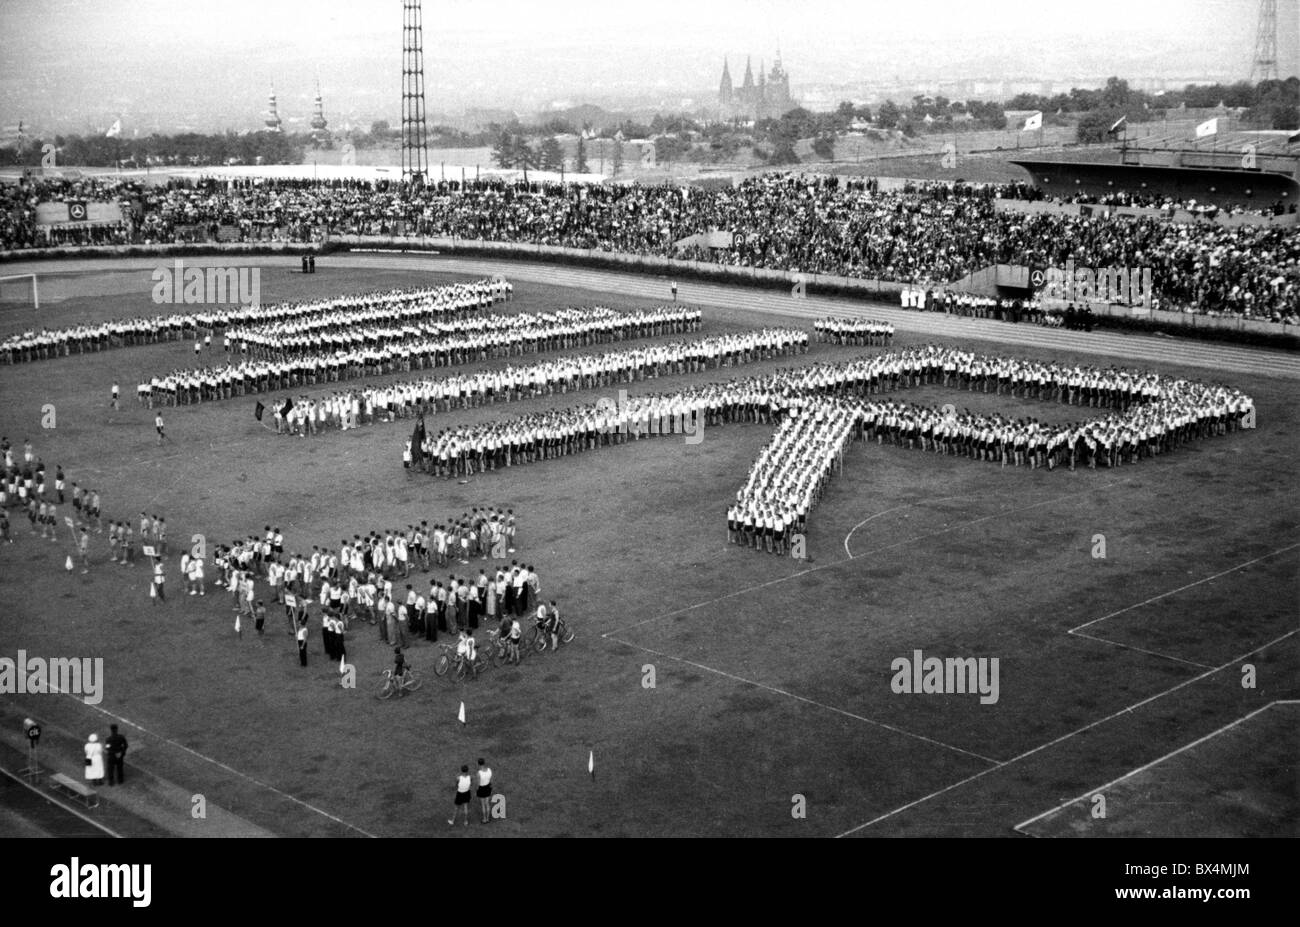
x,y
771,676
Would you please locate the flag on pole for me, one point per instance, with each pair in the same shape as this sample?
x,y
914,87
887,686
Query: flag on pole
x,y
1033,122
237,630
257,413
288,404
343,666
1119,123
68,566
114,130
460,715
1208,127
591,764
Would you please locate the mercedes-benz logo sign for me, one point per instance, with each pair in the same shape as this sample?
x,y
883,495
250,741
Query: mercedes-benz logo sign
x,y
77,212
1037,278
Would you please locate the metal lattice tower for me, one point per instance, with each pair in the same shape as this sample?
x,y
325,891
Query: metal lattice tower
x,y
415,153
1264,65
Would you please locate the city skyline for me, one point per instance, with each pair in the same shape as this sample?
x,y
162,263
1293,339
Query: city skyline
x,y
215,73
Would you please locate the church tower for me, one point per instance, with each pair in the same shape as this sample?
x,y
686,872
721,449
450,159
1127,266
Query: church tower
x,y
318,122
747,86
272,120
726,93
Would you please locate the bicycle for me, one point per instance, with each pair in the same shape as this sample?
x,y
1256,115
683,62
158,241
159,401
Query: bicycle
x,y
449,658
541,638
408,682
497,650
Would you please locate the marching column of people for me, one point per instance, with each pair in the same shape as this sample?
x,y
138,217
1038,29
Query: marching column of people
x,y
372,354
451,301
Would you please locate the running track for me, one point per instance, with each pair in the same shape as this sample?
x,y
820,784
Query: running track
x,y
1143,349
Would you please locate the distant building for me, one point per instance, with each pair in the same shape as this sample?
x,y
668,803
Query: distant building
x,y
769,98
318,122
272,121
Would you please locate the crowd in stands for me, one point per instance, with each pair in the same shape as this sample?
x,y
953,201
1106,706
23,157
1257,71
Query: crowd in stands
x,y
928,233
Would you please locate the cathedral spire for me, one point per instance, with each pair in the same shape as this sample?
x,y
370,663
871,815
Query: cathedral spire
x,y
726,92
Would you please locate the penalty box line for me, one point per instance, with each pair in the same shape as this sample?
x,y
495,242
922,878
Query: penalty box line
x,y
827,566
1156,762
804,699
1157,598
1064,737
221,765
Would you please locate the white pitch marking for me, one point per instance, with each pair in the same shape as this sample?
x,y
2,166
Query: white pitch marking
x,y
1066,736
1157,598
1156,762
221,765
809,701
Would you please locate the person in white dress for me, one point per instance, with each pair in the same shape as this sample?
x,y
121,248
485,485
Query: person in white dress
x,y
94,760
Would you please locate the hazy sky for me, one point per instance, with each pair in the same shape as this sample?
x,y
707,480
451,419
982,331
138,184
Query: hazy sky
x,y
210,62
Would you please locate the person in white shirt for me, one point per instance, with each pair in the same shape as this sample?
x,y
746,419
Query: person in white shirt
x,y
484,792
463,785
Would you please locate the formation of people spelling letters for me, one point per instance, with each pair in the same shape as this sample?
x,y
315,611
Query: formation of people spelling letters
x,y
448,302
329,345
820,408
353,408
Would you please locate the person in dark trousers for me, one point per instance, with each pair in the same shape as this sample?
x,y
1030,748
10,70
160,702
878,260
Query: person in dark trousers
x,y
116,756
302,641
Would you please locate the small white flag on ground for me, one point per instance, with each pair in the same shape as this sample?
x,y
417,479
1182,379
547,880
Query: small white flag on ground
x,y
1208,127
343,666
237,630
460,715
68,566
114,130
1033,122
591,763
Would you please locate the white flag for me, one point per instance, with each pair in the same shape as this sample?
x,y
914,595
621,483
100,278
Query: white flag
x,y
1208,127
460,716
68,565
343,667
591,763
236,624
1033,122
114,130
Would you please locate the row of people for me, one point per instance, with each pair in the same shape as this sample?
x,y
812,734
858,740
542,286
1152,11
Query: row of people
x,y
451,301
573,328
547,331
855,332
364,406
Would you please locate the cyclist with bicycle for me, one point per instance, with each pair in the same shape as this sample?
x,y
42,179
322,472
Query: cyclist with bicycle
x,y
513,637
548,619
467,650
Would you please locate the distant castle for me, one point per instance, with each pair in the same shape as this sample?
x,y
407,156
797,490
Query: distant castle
x,y
767,99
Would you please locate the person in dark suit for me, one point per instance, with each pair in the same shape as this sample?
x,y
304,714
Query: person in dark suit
x,y
116,756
